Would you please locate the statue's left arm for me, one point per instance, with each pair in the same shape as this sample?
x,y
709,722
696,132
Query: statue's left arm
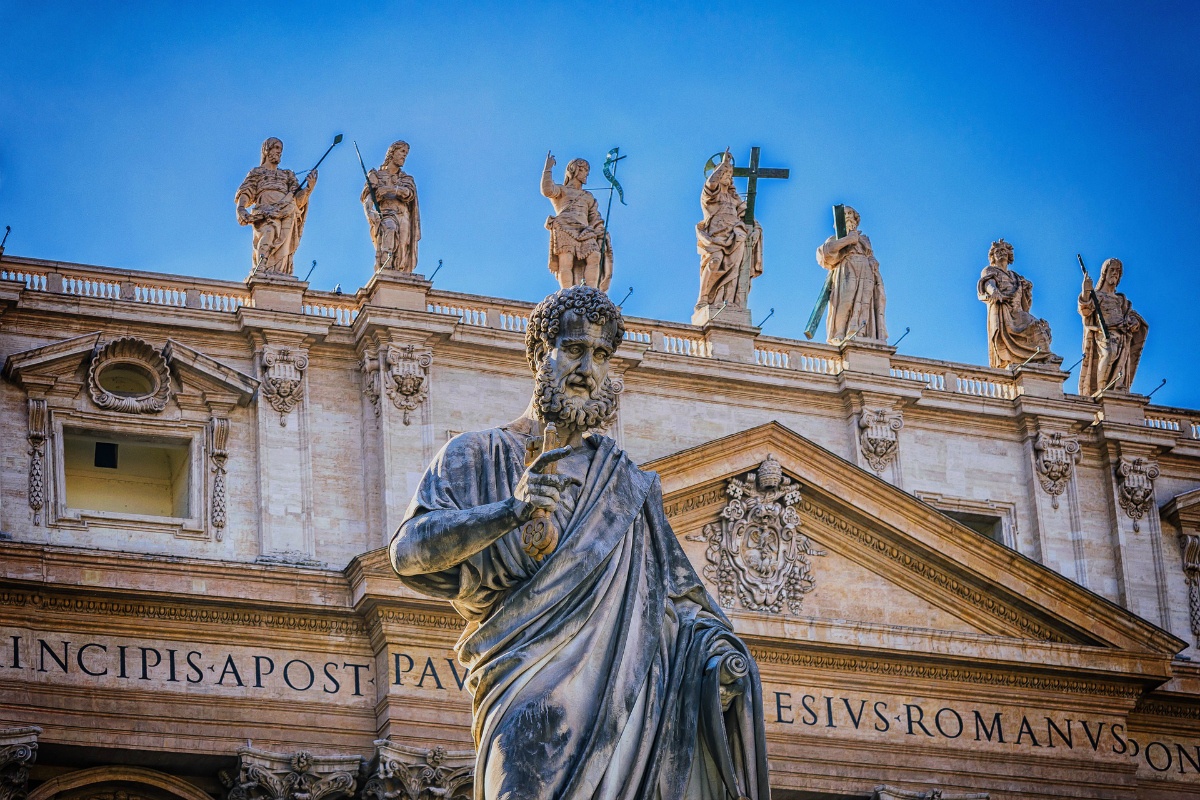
x,y
435,541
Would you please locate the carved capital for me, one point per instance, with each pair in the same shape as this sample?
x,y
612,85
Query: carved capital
x,y
1054,456
892,793
18,749
1189,547
410,773
302,776
368,365
129,375
756,552
283,377
877,436
1135,486
407,377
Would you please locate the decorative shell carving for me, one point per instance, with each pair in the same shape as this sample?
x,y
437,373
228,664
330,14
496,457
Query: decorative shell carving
x,y
129,351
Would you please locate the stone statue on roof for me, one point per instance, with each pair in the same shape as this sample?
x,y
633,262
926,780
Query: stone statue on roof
x,y
856,297
275,203
576,228
1109,362
389,198
1015,336
730,250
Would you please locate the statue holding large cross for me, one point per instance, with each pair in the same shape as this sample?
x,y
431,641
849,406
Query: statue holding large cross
x,y
729,240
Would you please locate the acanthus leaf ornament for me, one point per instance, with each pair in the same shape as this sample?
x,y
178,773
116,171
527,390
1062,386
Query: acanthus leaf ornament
x,y
877,436
18,749
407,377
1054,456
410,773
283,377
756,552
1135,486
1189,546
302,776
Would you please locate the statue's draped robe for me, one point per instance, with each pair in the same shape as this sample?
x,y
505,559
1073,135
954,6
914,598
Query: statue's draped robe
x,y
1014,335
1112,362
591,672
385,181
856,299
721,239
572,230
276,194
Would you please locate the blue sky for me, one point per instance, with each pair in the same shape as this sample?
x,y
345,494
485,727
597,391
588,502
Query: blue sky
x,y
1064,127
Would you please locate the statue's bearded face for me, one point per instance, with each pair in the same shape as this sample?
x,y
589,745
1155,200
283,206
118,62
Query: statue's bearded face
x,y
572,383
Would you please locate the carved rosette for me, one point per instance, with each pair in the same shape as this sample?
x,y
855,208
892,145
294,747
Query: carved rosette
x,y
1054,456
408,377
1135,486
756,552
218,454
37,457
141,357
410,773
303,776
283,377
18,749
877,436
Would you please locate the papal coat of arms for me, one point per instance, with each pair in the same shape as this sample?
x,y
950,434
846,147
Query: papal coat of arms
x,y
756,552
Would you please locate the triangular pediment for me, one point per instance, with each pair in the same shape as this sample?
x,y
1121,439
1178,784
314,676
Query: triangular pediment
x,y
879,563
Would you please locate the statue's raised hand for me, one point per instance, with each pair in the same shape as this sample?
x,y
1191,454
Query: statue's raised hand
x,y
540,488
550,162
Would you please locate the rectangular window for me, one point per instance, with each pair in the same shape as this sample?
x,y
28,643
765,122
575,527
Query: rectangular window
x,y
990,526
127,475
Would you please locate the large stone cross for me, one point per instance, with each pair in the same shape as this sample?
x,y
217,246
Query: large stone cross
x,y
753,173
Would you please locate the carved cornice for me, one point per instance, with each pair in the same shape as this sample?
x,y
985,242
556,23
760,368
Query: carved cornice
x,y
977,598
908,670
349,626
1188,710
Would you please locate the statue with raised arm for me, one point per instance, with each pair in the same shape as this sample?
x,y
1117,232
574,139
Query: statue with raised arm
x,y
599,667
1015,336
856,299
389,198
727,245
576,228
1109,362
275,203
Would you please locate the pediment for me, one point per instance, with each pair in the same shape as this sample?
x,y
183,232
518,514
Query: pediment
x,y
63,364
875,557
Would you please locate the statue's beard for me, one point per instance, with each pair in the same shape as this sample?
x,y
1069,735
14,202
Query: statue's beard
x,y
552,403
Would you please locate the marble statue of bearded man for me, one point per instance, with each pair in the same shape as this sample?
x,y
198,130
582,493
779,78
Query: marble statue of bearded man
x,y
598,665
1109,362
1015,336
856,300
272,200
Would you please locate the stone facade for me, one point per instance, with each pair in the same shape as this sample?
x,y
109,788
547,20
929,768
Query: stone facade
x,y
968,582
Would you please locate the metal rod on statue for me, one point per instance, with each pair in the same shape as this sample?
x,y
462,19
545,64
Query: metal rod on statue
x,y
435,272
764,322
901,339
626,297
7,231
336,141
1026,361
1099,312
310,270
1071,368
613,157
1156,388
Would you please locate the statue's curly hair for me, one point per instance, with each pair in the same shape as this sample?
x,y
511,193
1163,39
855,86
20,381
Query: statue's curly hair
x,y
545,322
1001,246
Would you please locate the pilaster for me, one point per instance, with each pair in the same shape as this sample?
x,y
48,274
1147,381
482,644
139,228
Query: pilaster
x,y
1052,451
875,423
273,292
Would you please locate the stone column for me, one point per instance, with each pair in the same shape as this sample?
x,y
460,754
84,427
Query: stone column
x,y
18,749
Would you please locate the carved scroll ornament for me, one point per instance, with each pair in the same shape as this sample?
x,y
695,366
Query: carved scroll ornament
x,y
148,367
756,553
408,377
369,366
877,437
283,377
18,749
1135,486
408,773
218,454
1054,456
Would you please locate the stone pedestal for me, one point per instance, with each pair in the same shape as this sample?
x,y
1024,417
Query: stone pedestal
x,y
729,341
1041,380
726,314
867,356
270,292
397,290
1122,408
